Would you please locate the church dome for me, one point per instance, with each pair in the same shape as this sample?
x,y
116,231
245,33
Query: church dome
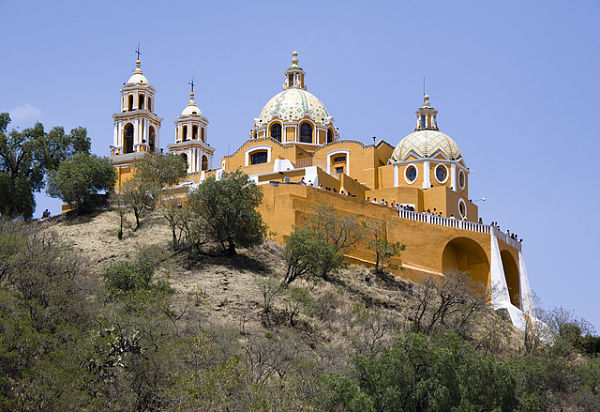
x,y
137,77
426,144
191,109
293,104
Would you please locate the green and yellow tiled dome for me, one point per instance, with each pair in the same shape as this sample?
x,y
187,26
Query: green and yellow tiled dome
x,y
426,144
291,104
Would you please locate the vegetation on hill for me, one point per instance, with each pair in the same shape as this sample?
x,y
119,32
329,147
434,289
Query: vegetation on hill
x,y
152,322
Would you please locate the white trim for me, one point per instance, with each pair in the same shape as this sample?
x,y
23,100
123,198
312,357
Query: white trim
x,y
346,152
426,175
395,175
435,173
461,200
453,176
406,177
247,153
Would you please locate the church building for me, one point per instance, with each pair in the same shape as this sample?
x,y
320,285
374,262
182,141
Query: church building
x,y
418,187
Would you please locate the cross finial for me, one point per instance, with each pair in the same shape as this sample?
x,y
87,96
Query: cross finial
x,y
137,51
191,83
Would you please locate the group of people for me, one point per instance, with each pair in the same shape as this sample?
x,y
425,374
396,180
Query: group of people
x,y
509,235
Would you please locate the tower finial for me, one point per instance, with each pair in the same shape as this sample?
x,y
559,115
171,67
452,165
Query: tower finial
x,y
138,51
191,83
295,57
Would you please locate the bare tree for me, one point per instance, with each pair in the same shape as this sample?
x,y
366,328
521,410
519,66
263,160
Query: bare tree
x,y
343,232
450,301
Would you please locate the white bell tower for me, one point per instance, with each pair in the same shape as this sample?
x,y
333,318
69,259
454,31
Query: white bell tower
x,y
191,138
136,127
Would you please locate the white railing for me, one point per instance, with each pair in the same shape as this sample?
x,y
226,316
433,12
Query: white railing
x,y
507,239
458,224
444,221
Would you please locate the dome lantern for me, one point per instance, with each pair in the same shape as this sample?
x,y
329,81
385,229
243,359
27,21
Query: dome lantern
x,y
294,75
426,116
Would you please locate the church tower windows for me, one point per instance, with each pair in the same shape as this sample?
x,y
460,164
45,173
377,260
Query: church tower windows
x,y
306,130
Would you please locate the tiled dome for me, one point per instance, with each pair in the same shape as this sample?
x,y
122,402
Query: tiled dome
x,y
426,144
292,104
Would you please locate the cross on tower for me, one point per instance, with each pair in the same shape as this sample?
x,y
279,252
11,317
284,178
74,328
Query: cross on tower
x,y
191,83
137,51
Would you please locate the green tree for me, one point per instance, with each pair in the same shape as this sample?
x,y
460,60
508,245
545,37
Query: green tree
x,y
25,158
141,196
79,178
160,169
378,243
227,208
308,253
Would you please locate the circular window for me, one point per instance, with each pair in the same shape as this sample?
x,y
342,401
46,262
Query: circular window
x,y
441,173
462,208
410,174
461,179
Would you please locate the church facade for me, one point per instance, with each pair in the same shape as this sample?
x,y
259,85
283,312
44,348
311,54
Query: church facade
x,y
418,188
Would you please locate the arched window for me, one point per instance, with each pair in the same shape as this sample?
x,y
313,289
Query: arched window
x,y
276,131
194,132
329,136
184,135
204,162
184,157
306,133
130,103
151,138
202,135
141,102
258,157
149,104
128,139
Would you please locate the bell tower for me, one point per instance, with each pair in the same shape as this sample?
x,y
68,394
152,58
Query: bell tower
x,y
136,126
191,140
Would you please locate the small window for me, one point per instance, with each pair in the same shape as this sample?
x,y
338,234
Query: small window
x,y
422,122
410,174
329,136
130,104
441,173
306,133
184,134
461,179
276,131
339,159
149,104
462,208
258,157
339,170
202,135
291,80
141,102
194,132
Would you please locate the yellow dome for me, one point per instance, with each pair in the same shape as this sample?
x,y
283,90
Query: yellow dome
x,y
292,104
137,77
426,144
191,109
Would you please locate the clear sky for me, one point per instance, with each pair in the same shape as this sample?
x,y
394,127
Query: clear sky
x,y
515,84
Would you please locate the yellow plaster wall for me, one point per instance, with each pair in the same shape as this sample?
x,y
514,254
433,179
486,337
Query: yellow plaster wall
x,y
289,134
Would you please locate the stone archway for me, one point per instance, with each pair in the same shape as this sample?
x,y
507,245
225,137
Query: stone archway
x,y
467,255
511,273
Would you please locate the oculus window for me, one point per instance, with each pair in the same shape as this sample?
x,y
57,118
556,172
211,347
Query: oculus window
x,y
461,179
462,208
441,173
410,174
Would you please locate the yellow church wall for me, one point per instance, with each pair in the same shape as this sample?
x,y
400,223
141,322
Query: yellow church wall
x,y
360,160
290,133
402,195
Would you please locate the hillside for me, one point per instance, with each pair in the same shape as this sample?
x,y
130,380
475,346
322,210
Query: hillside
x,y
224,336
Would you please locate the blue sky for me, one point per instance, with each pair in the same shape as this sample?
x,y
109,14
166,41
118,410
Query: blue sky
x,y
515,83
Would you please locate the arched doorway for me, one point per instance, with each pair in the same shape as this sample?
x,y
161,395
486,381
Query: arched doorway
x,y
511,273
468,256
184,157
151,138
128,138
204,162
